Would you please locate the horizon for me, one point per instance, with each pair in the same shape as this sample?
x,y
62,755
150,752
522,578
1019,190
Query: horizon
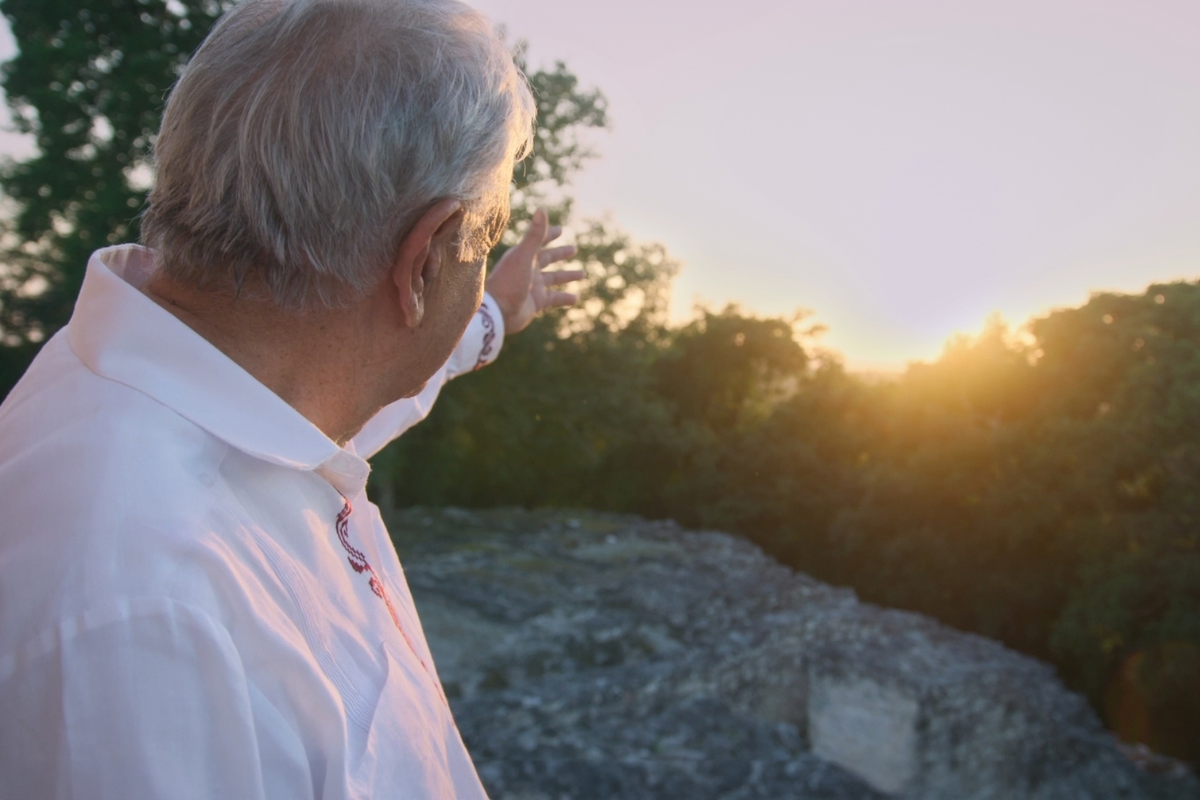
x,y
923,165
904,171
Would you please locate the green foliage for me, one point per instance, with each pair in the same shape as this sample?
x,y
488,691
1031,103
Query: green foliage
x,y
565,111
1043,489
570,396
1047,491
724,370
88,83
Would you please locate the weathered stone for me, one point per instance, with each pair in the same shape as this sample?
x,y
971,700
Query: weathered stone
x,y
601,656
868,728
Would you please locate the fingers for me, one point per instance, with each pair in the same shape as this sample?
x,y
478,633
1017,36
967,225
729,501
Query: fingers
x,y
562,276
527,249
559,299
550,232
553,254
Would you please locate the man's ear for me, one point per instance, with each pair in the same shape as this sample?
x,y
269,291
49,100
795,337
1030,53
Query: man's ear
x,y
421,254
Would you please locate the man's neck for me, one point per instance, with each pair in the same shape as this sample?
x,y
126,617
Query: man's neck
x,y
315,361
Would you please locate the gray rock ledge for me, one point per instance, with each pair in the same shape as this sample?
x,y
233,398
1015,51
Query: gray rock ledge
x,y
603,656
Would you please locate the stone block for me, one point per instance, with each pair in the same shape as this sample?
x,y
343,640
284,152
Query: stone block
x,y
865,727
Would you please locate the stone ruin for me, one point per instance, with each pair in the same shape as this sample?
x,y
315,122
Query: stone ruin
x,y
603,656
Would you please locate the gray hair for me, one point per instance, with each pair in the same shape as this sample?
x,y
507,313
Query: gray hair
x,y
306,137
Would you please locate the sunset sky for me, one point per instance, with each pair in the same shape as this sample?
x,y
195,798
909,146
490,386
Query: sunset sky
x,y
902,168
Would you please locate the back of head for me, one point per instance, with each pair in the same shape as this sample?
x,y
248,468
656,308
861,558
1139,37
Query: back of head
x,y
306,136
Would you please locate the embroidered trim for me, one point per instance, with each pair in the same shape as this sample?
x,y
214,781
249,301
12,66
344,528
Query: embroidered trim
x,y
359,563
489,335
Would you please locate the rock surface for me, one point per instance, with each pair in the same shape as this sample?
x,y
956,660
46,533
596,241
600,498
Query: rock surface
x,y
602,656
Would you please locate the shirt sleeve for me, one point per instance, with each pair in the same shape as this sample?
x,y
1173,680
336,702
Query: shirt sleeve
x,y
147,698
479,346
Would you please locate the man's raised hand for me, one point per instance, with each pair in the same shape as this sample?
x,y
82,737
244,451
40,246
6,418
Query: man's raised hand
x,y
518,283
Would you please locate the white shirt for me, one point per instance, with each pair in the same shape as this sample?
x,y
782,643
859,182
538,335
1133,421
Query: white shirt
x,y
197,600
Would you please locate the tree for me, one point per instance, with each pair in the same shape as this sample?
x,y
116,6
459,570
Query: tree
x,y
88,83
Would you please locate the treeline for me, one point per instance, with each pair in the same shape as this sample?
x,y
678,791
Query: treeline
x,y
1040,488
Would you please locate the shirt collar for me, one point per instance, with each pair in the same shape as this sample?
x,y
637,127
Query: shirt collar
x,y
121,334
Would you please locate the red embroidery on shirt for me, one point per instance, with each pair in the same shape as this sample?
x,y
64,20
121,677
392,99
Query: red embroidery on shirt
x,y
359,563
489,335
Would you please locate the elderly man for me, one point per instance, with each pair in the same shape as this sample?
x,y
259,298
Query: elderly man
x,y
196,598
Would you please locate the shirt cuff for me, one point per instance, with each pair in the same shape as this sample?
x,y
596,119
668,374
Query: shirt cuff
x,y
488,329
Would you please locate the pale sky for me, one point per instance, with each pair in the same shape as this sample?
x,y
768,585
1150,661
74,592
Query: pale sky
x,y
901,167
